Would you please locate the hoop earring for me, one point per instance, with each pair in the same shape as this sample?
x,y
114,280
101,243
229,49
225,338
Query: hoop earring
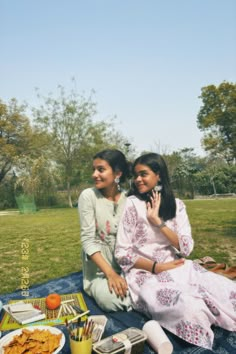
x,y
117,181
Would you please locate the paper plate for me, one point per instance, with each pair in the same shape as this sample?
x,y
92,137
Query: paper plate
x,y
8,337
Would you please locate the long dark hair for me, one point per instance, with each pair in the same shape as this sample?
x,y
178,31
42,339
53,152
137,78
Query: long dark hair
x,y
117,160
157,164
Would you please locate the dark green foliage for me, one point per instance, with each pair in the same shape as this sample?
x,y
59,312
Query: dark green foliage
x,y
217,118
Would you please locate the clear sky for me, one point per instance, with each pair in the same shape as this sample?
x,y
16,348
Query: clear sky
x,y
146,60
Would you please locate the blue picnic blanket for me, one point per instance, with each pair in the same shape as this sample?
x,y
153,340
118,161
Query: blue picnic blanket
x,y
224,343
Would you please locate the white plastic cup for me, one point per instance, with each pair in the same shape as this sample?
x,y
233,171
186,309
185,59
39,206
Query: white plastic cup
x,y
157,338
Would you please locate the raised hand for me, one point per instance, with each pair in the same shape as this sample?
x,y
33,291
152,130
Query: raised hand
x,y
153,207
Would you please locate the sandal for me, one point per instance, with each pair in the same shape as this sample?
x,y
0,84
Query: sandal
x,y
205,261
198,261
230,273
219,268
208,260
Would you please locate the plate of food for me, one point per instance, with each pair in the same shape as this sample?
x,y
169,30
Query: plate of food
x,y
35,339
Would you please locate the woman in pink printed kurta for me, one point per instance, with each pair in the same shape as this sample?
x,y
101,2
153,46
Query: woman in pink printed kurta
x,y
182,296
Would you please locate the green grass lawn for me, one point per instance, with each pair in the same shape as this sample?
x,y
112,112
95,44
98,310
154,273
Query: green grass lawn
x,y
213,229
51,238
54,246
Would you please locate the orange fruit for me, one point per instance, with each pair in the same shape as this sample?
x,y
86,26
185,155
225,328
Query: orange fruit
x,y
53,301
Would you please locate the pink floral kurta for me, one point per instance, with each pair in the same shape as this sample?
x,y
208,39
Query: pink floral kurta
x,y
186,300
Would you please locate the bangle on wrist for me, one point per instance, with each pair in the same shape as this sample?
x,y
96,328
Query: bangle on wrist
x,y
161,225
153,267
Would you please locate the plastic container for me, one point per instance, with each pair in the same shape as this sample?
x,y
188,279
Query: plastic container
x,y
129,341
99,327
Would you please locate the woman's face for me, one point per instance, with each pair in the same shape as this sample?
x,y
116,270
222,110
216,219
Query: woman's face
x,y
103,175
145,179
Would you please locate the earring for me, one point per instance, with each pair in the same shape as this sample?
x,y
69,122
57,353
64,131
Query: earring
x,y
117,181
158,188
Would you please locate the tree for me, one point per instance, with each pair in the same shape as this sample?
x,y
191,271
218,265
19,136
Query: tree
x,y
217,119
37,177
183,175
74,136
15,135
217,177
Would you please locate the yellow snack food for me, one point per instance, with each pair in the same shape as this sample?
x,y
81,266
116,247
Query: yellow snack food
x,y
33,342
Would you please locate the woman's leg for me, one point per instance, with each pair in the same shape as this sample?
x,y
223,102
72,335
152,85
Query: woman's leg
x,y
108,301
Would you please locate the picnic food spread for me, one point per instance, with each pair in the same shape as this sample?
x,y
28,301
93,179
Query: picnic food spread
x,y
35,342
83,330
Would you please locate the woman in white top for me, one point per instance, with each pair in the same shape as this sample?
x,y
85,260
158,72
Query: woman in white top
x,y
100,209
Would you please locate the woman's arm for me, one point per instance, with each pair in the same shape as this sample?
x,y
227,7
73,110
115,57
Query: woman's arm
x,y
125,246
87,217
115,281
92,248
154,267
180,237
183,229
153,217
125,240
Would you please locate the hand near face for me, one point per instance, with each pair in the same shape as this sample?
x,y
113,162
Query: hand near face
x,y
153,208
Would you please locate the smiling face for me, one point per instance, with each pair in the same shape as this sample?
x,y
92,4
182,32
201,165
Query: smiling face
x,y
103,175
144,178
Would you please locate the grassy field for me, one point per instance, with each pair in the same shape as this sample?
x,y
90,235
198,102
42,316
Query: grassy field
x,y
213,229
47,243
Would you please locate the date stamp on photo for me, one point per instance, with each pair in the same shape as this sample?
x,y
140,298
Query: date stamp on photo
x,y
25,271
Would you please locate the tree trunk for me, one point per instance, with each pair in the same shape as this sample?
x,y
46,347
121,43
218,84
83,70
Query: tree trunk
x,y
69,194
213,185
